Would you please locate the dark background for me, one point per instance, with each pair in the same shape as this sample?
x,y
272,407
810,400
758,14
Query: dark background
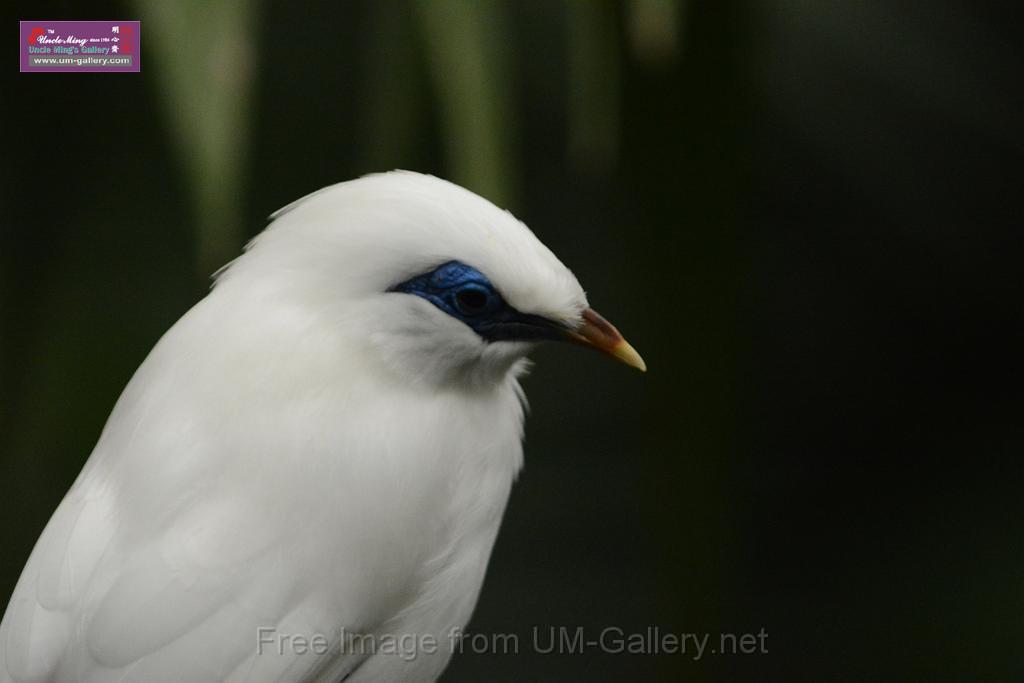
x,y
805,215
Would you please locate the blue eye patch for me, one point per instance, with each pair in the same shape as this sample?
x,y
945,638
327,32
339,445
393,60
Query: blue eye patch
x,y
466,294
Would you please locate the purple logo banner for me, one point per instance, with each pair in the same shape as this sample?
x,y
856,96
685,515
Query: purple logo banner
x,y
80,46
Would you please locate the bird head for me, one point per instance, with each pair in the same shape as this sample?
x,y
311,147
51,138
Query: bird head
x,y
425,276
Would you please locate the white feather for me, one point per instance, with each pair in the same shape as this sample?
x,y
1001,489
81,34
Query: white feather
x,y
302,451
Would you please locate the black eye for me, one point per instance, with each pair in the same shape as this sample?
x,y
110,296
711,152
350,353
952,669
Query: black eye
x,y
472,300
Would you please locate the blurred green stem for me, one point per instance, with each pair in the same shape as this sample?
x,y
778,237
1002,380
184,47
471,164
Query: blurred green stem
x,y
655,28
594,89
203,62
389,119
463,41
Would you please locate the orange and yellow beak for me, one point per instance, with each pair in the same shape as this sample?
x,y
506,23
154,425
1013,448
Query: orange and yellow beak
x,y
597,333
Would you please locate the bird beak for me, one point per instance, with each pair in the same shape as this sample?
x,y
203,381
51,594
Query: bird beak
x,y
598,333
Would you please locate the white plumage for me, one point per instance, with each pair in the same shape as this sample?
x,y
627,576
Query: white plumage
x,y
303,451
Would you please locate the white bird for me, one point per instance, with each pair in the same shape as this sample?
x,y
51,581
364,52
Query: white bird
x,y
322,448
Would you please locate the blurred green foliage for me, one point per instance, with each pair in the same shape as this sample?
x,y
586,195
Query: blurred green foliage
x,y
207,94
202,54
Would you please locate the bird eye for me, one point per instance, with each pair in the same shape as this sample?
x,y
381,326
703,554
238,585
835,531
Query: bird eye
x,y
472,300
